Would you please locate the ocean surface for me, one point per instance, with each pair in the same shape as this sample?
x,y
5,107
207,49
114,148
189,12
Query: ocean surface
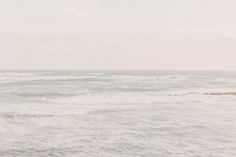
x,y
117,114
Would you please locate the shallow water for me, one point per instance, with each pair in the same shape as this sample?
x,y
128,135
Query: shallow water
x,y
117,113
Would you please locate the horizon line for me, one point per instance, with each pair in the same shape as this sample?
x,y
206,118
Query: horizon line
x,y
197,70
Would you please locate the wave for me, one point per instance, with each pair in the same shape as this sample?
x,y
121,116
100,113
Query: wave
x,y
22,79
221,93
5,115
212,93
45,95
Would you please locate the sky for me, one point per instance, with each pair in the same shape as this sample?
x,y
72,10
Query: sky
x,y
118,34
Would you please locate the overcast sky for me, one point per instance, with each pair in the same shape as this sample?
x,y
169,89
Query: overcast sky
x,y
118,34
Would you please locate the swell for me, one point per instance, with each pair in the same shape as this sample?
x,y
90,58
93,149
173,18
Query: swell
x,y
5,115
44,80
221,93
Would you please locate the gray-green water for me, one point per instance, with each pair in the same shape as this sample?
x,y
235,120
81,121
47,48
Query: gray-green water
x,y
117,113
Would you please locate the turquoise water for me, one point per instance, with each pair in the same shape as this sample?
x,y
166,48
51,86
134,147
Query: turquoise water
x,y
117,113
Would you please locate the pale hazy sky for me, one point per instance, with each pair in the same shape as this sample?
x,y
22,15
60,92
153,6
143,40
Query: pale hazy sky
x,y
118,34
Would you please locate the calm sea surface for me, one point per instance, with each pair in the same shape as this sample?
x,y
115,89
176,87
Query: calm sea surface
x,y
117,113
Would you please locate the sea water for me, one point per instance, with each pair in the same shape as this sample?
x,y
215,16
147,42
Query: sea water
x,y
117,113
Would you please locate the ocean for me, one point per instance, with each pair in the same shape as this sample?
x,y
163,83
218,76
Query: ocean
x,y
117,113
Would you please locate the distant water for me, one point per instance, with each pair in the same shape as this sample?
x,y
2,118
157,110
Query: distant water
x,y
117,113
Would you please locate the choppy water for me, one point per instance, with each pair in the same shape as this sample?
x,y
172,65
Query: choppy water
x,y
117,113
